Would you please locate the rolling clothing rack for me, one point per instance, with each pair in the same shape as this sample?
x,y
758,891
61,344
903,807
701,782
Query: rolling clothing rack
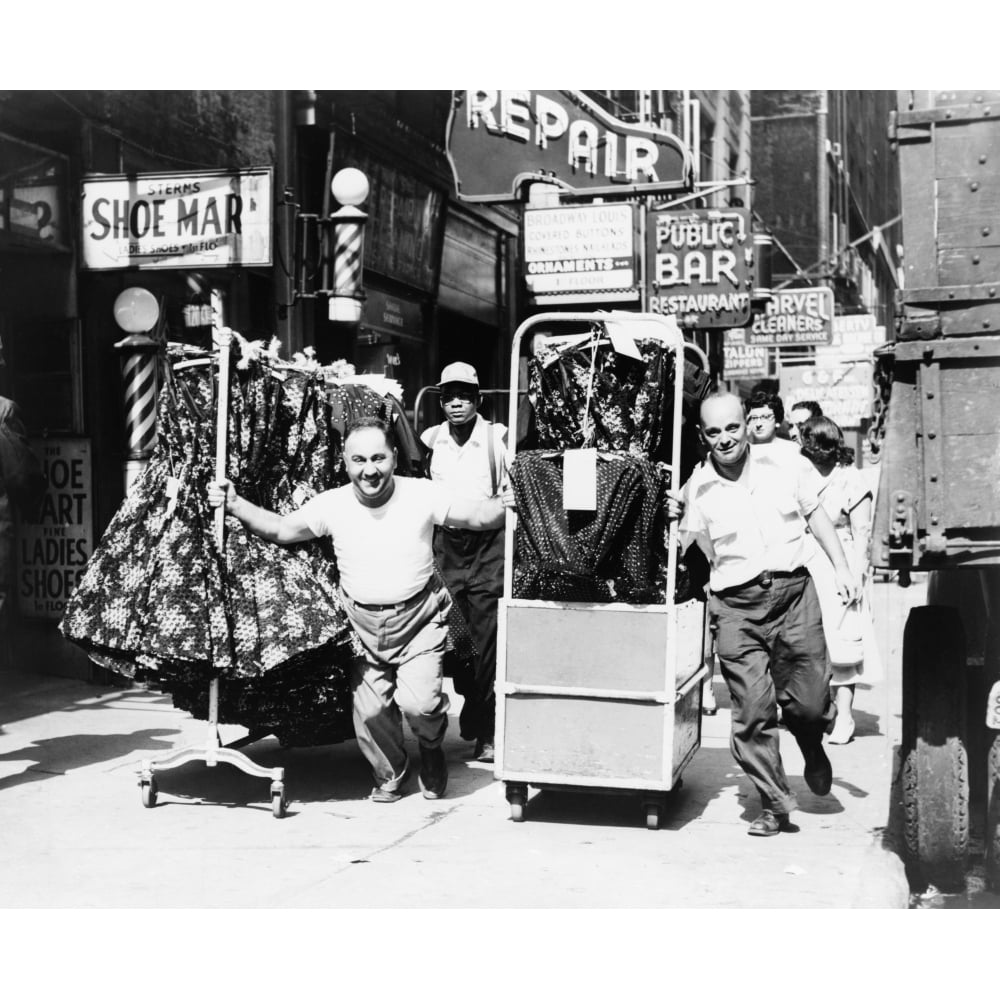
x,y
212,752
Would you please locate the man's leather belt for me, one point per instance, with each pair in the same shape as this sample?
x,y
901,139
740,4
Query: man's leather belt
x,y
765,579
399,606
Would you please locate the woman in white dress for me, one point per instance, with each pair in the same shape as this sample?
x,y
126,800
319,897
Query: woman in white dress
x,y
847,499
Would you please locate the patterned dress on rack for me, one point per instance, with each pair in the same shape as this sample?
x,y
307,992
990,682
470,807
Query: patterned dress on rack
x,y
612,553
591,396
176,611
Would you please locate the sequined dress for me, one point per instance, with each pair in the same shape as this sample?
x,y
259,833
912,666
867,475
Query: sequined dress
x,y
157,600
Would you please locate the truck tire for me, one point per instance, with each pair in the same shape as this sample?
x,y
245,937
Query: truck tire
x,y
991,833
935,773
991,824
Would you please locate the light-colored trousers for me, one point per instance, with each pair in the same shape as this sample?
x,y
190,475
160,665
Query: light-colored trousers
x,y
400,674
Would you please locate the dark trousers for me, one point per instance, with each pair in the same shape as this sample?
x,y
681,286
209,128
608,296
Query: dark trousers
x,y
772,652
471,563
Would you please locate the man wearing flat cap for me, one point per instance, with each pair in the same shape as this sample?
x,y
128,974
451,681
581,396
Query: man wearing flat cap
x,y
468,456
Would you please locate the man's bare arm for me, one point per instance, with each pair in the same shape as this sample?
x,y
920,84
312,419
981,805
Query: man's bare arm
x,y
281,529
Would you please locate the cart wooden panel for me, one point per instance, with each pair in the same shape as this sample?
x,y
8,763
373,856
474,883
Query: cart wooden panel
x,y
598,695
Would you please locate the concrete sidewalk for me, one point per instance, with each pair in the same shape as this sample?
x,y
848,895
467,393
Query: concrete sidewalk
x,y
75,832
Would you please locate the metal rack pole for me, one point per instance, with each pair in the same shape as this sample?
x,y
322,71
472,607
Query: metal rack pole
x,y
213,753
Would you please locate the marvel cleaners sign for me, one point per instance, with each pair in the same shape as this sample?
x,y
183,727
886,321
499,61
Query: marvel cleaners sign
x,y
795,317
205,219
700,266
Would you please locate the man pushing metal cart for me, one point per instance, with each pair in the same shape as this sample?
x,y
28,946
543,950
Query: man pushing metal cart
x,y
600,635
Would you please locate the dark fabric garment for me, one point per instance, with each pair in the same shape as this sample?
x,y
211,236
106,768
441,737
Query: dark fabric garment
x,y
410,449
602,399
772,652
471,564
613,553
269,621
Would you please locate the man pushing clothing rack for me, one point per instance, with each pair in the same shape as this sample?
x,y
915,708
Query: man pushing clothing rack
x,y
382,530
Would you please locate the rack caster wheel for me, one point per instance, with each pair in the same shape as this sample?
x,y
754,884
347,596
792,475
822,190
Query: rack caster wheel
x,y
652,816
278,801
148,788
517,797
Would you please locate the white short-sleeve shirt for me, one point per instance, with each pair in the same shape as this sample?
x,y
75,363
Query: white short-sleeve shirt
x,y
753,523
465,469
384,554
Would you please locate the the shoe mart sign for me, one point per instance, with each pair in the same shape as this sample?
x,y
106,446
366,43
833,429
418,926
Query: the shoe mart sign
x,y
499,139
160,220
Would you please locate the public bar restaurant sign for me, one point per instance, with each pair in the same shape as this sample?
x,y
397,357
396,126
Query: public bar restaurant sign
x,y
795,317
581,248
160,220
700,266
499,139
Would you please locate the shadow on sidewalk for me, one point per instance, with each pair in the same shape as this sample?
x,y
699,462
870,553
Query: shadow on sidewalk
x,y
52,758
332,773
27,696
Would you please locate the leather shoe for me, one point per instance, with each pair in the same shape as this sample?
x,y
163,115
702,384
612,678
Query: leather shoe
x,y
818,770
484,751
770,823
384,795
433,776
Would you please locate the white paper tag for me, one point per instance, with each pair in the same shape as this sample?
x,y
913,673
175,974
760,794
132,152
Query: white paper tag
x,y
580,479
172,488
621,341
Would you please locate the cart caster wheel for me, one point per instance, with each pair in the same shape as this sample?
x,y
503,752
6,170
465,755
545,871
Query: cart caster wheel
x,y
652,817
148,792
517,797
278,803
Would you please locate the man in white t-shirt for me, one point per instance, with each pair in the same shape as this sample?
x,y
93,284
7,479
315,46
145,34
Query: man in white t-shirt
x,y
382,530
468,456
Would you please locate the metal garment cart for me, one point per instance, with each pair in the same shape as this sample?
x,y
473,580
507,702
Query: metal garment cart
x,y
213,753
599,697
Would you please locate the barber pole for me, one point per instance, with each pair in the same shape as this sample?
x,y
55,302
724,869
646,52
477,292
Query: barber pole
x,y
140,380
347,250
350,188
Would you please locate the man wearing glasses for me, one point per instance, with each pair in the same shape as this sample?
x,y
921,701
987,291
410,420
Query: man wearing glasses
x,y
468,456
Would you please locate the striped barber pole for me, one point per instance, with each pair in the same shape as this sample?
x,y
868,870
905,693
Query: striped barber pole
x,y
348,229
140,379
